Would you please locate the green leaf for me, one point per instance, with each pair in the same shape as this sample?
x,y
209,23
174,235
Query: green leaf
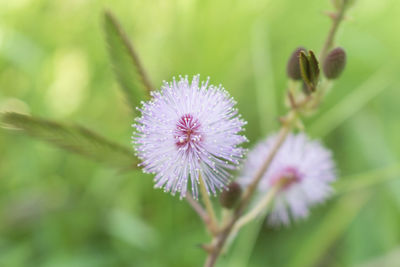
x,y
127,68
73,138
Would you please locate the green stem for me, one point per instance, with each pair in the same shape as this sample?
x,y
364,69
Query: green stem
x,y
209,207
218,241
261,206
332,32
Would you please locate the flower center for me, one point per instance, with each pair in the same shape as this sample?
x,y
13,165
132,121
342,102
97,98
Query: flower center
x,y
287,177
187,133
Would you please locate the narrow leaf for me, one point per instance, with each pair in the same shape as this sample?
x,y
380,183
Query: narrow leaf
x,y
127,67
73,138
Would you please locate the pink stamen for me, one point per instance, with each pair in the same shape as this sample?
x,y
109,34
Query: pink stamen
x,y
187,132
287,177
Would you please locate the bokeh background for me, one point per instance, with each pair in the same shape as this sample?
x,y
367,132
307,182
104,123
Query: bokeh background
x,y
60,209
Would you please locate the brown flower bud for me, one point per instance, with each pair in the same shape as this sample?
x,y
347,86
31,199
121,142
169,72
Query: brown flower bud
x,y
231,195
334,63
293,67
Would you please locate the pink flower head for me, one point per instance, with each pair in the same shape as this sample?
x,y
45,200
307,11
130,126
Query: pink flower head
x,y
305,170
187,131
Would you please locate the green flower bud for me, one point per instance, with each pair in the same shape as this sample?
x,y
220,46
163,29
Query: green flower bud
x,y
230,196
293,67
334,63
309,68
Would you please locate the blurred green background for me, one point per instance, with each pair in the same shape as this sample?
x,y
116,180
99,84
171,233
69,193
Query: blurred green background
x,y
60,209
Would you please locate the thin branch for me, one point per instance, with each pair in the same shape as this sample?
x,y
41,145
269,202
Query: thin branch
x,y
220,240
197,208
261,206
279,141
292,101
259,210
337,19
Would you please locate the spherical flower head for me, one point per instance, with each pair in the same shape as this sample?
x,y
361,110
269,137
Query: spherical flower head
x,y
189,131
303,169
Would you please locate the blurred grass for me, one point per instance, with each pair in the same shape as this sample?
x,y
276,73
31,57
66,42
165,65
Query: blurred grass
x,y
59,209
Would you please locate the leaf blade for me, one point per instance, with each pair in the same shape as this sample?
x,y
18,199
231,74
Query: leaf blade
x,y
74,138
128,70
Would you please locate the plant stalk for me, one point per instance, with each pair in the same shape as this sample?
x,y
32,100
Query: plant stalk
x,y
261,206
219,240
338,18
213,226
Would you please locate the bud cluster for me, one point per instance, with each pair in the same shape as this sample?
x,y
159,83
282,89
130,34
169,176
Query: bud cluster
x,y
303,65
